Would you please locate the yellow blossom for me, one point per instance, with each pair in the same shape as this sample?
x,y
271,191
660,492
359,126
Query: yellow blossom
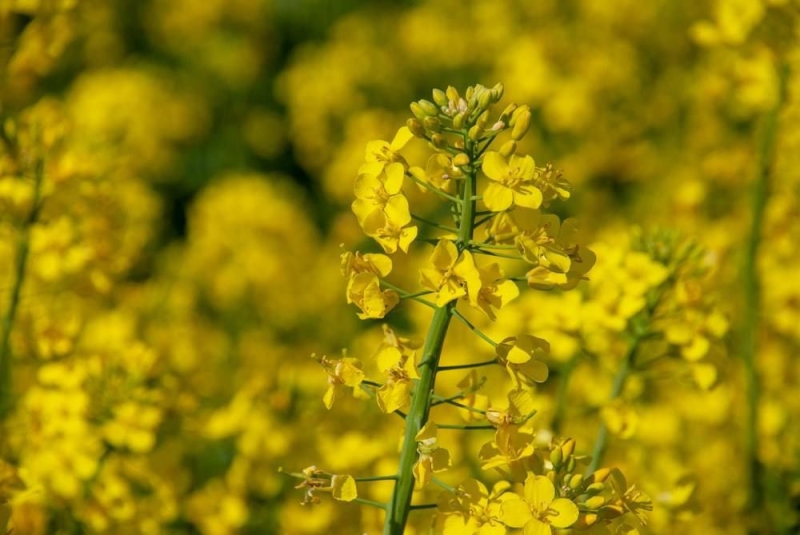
x,y
473,510
381,193
432,457
344,372
511,182
494,291
452,274
539,512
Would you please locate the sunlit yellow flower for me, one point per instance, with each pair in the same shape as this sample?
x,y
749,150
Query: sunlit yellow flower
x,y
380,153
381,192
511,182
510,444
432,458
540,511
453,275
364,289
494,291
344,372
519,356
400,367
388,233
439,172
473,510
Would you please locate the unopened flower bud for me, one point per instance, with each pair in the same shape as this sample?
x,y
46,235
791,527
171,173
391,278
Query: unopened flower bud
x,y
461,159
418,112
521,126
475,132
497,91
485,99
439,97
416,127
508,148
568,447
600,475
517,113
432,124
483,119
571,464
438,141
506,115
428,107
595,488
596,502
556,457
575,481
452,93
458,120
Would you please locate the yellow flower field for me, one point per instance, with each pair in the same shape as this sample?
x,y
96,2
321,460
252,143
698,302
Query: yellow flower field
x,y
399,267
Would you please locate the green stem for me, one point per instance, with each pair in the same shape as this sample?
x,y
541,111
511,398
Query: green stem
x,y
752,297
400,503
601,441
371,503
22,253
437,191
433,223
561,395
467,366
466,427
474,329
408,295
367,479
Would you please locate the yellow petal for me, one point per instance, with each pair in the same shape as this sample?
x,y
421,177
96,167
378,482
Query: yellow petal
x,y
528,197
440,460
365,185
539,491
566,513
344,488
393,178
406,237
494,166
402,137
387,358
515,513
518,356
537,527
525,166
444,255
393,396
536,370
381,263
329,396
427,432
397,211
497,197
422,472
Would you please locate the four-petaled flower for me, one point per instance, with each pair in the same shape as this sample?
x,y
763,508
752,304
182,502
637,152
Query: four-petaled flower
x,y
381,192
381,153
344,372
519,355
439,172
494,291
539,511
512,182
473,510
452,274
510,444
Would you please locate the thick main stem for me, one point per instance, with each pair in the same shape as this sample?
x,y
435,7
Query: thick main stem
x,y
400,504
752,297
22,252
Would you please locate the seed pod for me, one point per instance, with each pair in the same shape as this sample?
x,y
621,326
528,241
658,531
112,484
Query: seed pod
x,y
439,97
416,127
